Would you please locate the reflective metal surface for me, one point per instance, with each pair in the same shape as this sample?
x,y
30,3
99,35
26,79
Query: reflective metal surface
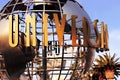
x,y
16,58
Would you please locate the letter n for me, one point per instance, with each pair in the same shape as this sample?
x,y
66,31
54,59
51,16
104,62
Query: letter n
x,y
30,22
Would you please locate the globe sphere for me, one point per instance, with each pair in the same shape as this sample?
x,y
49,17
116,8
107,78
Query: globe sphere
x,y
53,61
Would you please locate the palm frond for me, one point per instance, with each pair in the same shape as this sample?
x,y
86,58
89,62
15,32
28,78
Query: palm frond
x,y
106,56
113,57
108,62
99,62
116,60
102,58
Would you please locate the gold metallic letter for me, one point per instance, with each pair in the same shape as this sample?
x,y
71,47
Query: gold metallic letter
x,y
74,30
13,35
32,21
60,27
45,29
86,32
104,36
97,44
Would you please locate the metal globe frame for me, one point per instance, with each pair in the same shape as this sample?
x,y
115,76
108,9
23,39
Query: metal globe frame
x,y
52,60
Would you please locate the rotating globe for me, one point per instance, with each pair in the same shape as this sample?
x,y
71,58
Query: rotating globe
x,y
49,58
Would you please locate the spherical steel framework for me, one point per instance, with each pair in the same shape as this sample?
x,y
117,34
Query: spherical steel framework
x,y
52,62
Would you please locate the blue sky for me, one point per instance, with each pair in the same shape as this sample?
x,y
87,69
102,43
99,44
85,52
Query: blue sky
x,y
103,10
109,12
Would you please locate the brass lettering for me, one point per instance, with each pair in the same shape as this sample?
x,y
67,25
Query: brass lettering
x,y
101,38
13,35
106,37
60,27
86,32
97,43
102,35
32,21
45,29
74,37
